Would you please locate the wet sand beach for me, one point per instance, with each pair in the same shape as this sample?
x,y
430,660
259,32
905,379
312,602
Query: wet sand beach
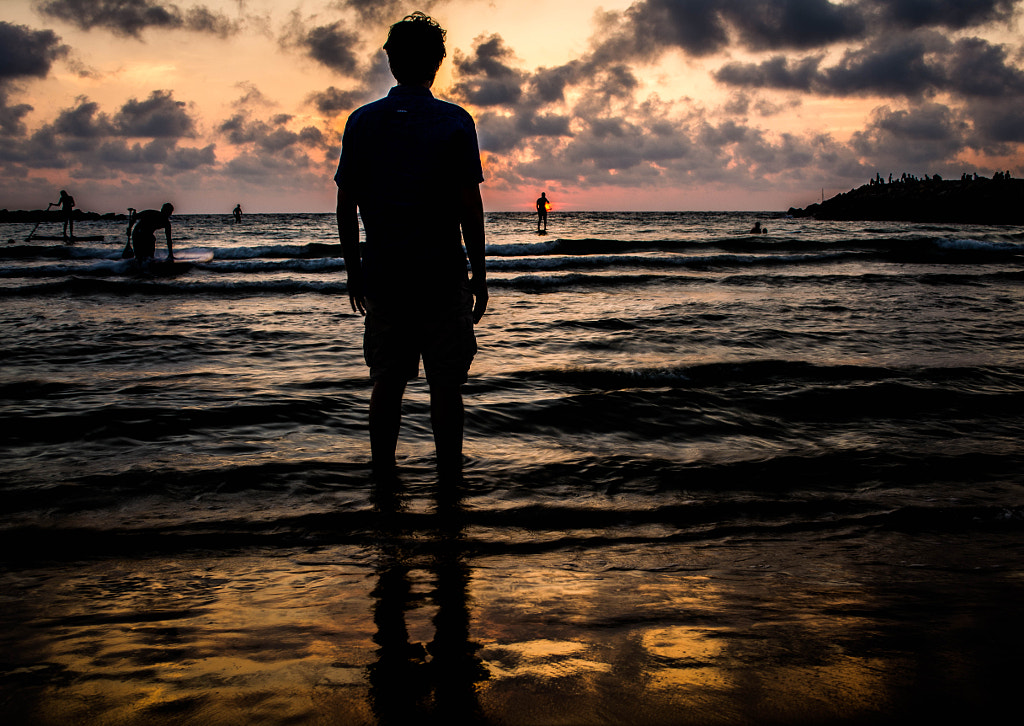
x,y
421,623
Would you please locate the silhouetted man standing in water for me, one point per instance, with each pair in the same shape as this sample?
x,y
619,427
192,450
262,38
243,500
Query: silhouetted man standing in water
x,y
542,211
411,165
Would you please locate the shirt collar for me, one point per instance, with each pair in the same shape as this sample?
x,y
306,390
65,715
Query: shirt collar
x,y
410,91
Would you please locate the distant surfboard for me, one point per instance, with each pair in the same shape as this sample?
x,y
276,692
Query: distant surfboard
x,y
184,260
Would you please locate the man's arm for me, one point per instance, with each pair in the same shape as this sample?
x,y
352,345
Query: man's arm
x,y
472,219
348,232
167,231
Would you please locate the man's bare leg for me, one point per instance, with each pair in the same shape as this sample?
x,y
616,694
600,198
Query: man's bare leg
x,y
385,421
446,419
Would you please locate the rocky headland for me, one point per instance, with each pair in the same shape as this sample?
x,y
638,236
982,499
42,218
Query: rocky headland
x,y
31,216
971,200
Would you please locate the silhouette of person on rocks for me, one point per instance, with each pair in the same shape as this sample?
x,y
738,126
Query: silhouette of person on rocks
x,y
404,158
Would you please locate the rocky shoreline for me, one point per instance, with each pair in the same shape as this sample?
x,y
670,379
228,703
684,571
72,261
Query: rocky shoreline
x,y
31,216
969,200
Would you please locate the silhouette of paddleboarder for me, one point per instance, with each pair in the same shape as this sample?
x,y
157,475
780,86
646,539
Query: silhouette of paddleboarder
x,y
66,204
543,205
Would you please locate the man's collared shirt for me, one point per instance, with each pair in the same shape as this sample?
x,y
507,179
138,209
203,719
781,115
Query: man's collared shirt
x,y
404,160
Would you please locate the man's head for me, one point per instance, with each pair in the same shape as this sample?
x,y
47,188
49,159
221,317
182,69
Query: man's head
x,y
415,49
167,209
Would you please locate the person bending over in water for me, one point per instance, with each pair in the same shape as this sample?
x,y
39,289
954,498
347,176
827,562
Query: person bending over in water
x,y
147,222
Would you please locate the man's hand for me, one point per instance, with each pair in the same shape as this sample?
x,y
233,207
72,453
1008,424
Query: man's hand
x,y
480,298
356,297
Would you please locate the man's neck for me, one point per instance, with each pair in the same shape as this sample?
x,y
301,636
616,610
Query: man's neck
x,y
424,84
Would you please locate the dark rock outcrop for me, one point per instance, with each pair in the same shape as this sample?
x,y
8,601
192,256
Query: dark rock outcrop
x,y
31,216
970,200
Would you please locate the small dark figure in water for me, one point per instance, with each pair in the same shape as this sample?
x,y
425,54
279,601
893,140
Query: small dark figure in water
x,y
145,225
411,166
237,211
542,211
66,204
756,229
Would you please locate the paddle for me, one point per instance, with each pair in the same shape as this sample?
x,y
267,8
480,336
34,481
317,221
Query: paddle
x,y
29,238
128,250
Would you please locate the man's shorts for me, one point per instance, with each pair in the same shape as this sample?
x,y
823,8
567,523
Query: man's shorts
x,y
144,245
440,331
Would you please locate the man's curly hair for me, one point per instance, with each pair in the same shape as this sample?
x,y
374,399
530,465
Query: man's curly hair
x,y
415,48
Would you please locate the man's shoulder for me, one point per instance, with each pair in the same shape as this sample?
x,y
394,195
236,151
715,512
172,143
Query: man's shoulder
x,y
431,103
454,110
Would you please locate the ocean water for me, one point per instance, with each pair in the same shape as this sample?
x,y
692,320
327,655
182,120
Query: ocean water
x,y
711,478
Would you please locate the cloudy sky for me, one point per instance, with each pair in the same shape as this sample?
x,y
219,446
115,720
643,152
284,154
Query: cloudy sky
x,y
613,104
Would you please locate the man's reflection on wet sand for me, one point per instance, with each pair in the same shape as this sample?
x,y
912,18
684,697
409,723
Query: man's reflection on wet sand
x,y
410,682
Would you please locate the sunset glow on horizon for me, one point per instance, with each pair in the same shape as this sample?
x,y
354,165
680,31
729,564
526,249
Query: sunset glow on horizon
x,y
615,105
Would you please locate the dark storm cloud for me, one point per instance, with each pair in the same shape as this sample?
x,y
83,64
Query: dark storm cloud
x,y
794,24
96,146
159,116
486,77
332,100
11,116
908,65
901,65
953,14
776,72
501,133
548,84
27,52
331,45
131,17
702,27
24,53
272,136
976,67
84,121
997,122
918,136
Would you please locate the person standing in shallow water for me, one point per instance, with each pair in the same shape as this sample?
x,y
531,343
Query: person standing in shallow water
x,y
66,204
404,158
237,212
542,211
